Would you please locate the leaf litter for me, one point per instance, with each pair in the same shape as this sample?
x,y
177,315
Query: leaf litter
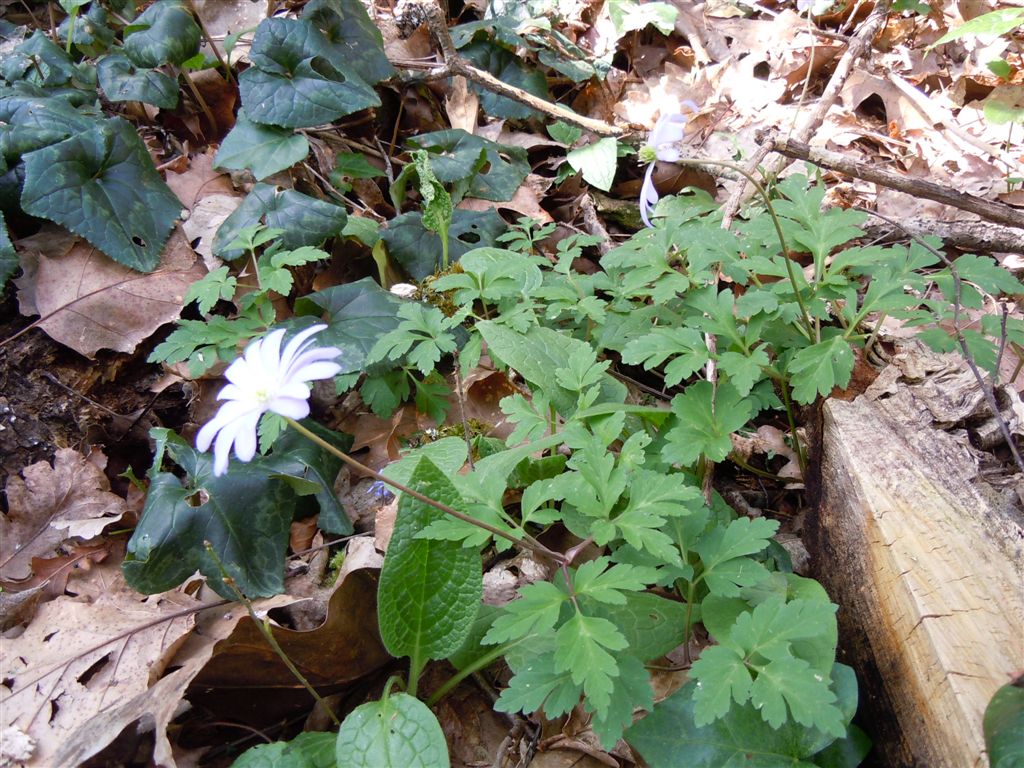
x,y
88,664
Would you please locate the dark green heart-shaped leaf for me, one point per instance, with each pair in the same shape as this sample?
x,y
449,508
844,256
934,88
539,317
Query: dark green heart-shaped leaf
x,y
8,256
353,36
304,219
93,36
293,83
121,80
1004,727
245,515
455,155
101,184
165,33
399,731
298,457
264,149
508,68
418,251
39,61
358,314
429,589
34,122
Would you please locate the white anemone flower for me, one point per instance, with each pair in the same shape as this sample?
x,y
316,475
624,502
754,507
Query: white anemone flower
x,y
663,145
265,379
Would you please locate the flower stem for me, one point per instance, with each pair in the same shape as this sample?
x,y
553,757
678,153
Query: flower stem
x,y
528,541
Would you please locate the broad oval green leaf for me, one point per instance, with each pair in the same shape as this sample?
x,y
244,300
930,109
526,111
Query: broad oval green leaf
x,y
121,80
398,731
507,67
264,149
1004,727
165,33
293,83
429,590
303,219
307,750
101,184
597,162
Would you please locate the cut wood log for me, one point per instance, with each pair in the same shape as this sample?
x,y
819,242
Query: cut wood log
x,y
923,555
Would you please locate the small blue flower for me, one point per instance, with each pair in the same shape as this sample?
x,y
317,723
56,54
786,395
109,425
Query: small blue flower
x,y
379,490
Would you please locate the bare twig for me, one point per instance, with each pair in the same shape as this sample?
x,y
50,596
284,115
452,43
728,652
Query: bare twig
x,y
455,64
987,209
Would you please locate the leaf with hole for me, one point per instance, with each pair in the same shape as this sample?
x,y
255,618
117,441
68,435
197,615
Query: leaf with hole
x,y
352,35
455,155
418,250
101,184
293,83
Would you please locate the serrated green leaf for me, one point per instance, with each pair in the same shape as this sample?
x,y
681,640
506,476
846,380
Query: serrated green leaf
x,y
564,133
429,590
352,35
357,314
652,625
724,552
121,80
455,156
744,371
536,611
304,220
582,648
685,345
597,162
307,750
631,690
791,682
214,286
992,24
101,184
628,15
165,33
422,337
817,369
418,251
432,395
384,392
537,685
987,274
246,516
399,731
704,420
293,84
1006,102
722,678
264,149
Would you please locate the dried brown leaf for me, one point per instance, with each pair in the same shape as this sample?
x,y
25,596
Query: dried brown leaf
x,y
49,505
89,302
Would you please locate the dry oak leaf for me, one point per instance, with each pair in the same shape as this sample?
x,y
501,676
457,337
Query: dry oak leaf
x,y
48,505
89,302
80,659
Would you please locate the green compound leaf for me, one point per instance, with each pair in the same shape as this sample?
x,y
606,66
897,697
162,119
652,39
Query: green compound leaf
x,y
303,219
583,648
456,155
815,370
740,738
165,33
429,590
653,625
421,338
399,731
992,24
101,184
705,419
1004,727
417,250
263,149
293,83
537,610
358,314
307,750
597,162
245,515
352,36
8,256
724,552
121,80
538,685
684,345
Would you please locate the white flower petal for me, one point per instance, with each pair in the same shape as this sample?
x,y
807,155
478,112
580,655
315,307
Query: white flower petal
x,y
297,390
291,407
228,413
245,437
222,447
319,370
295,345
270,351
648,196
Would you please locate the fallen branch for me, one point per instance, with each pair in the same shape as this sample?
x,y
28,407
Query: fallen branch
x,y
455,64
833,161
965,235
